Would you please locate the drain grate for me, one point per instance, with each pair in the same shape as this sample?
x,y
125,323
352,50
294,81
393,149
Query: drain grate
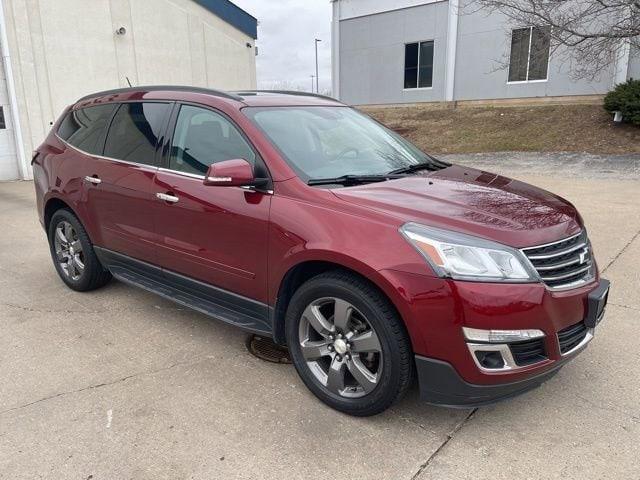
x,y
266,349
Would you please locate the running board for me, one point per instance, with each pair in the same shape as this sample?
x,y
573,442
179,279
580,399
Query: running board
x,y
214,302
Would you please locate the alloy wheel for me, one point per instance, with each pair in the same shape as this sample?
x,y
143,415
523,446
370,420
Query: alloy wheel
x,y
68,249
340,347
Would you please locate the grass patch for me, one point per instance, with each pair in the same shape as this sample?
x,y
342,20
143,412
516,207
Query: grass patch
x,y
543,128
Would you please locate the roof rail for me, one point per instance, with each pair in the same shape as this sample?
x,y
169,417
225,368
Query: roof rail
x,y
155,88
288,92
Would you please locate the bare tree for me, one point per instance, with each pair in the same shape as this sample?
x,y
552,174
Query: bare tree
x,y
589,35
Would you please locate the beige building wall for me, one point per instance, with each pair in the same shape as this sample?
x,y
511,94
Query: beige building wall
x,y
63,49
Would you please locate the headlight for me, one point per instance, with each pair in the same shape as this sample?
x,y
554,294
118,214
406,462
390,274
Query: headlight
x,y
465,257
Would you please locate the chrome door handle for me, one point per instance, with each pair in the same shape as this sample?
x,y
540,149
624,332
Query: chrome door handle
x,y
167,198
94,180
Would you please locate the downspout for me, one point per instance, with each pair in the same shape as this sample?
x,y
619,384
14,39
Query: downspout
x,y
335,49
452,40
25,170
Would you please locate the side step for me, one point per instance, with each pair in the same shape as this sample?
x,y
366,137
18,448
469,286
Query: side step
x,y
228,307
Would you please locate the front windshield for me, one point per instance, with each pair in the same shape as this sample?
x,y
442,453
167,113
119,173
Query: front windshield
x,y
328,142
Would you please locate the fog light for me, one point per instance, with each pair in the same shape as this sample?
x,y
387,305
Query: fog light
x,y
500,336
490,359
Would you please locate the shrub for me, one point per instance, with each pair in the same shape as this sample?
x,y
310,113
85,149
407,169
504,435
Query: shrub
x,y
626,99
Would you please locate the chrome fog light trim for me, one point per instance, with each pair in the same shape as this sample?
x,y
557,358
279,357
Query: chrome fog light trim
x,y
501,336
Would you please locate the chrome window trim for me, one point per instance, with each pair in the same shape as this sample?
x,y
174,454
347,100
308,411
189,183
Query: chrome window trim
x,y
202,177
111,159
182,174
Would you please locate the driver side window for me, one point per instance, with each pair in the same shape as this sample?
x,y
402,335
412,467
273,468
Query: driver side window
x,y
202,137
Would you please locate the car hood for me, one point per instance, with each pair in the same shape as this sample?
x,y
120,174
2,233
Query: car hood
x,y
473,202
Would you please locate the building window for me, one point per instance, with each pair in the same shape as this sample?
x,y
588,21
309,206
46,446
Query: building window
x,y
418,65
3,124
529,57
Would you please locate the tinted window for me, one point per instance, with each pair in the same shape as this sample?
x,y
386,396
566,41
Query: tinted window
x,y
203,137
84,128
134,132
320,142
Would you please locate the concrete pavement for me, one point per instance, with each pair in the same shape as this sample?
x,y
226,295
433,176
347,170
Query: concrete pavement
x,y
119,383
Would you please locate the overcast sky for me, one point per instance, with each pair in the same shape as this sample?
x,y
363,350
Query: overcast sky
x,y
286,30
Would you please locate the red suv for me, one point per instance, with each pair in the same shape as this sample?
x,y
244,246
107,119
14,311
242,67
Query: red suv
x,y
295,216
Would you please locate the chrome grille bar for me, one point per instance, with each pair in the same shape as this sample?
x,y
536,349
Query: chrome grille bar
x,y
557,254
563,264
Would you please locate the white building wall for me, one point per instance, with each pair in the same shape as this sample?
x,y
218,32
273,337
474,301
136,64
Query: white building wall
x,y
8,164
62,50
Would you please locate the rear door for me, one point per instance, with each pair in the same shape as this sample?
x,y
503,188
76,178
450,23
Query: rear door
x,y
120,184
217,235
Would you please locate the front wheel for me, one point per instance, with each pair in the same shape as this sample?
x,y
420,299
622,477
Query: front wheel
x,y
348,343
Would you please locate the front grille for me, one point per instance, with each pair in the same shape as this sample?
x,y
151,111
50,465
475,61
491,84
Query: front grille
x,y
570,337
565,263
528,352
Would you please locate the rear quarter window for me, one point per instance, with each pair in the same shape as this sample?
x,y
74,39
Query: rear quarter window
x,y
84,128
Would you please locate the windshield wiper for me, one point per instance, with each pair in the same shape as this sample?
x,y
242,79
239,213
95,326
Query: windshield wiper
x,y
352,179
432,165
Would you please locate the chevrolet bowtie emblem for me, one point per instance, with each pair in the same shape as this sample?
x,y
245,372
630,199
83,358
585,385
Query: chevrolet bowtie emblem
x,y
583,256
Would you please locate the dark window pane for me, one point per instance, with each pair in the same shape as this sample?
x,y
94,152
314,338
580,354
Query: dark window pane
x,y
411,65
519,54
410,77
425,76
84,128
539,57
134,132
3,124
203,137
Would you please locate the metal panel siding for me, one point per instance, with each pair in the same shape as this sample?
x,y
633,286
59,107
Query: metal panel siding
x,y
483,45
372,54
232,14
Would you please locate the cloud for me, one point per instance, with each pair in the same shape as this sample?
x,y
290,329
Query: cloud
x,y
286,33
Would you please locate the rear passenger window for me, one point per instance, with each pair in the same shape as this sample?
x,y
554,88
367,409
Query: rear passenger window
x,y
203,137
134,132
84,128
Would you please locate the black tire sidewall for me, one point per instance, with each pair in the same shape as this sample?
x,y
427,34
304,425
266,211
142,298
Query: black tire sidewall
x,y
368,301
91,264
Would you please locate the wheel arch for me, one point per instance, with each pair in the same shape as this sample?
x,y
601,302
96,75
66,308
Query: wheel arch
x,y
306,269
52,205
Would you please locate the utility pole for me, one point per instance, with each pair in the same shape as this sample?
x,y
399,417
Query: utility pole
x,y
312,77
317,83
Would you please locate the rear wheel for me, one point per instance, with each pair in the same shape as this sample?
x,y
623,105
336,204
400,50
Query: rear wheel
x,y
73,255
348,343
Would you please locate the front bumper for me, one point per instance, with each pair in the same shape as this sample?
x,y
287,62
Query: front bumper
x,y
435,311
441,385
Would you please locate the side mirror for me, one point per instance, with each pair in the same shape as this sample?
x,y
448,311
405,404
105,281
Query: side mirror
x,y
230,173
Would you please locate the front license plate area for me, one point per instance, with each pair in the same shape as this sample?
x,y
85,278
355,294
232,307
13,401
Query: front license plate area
x,y
596,303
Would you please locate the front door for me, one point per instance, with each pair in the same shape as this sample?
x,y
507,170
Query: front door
x,y
217,235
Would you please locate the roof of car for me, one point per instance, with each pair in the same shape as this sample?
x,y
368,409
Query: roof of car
x,y
246,97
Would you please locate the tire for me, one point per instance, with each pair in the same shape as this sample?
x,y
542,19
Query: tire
x,y
330,362
75,261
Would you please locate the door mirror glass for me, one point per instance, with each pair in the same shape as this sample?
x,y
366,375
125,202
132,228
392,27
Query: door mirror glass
x,y
229,173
